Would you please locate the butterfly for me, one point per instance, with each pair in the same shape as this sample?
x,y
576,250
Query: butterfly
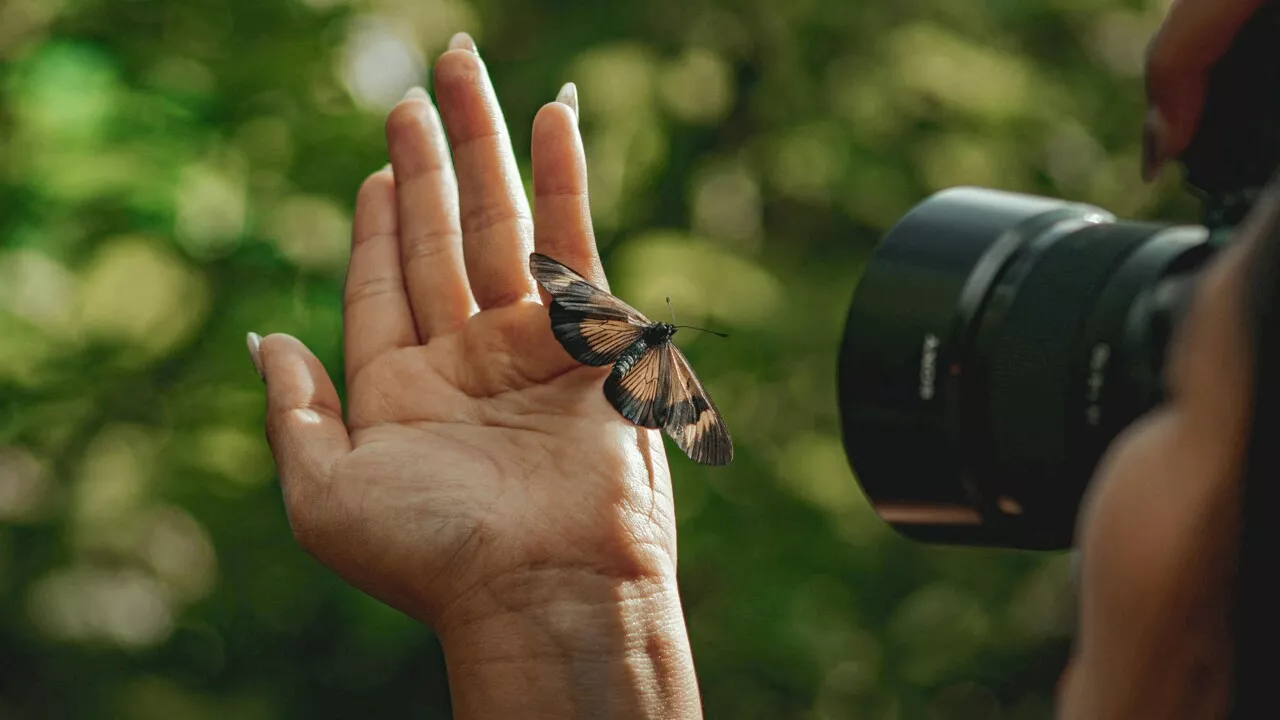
x,y
651,383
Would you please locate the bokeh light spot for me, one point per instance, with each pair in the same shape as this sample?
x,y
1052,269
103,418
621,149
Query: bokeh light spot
x,y
25,485
697,87
379,63
727,206
953,70
90,604
67,94
210,207
180,553
312,231
114,476
236,455
40,290
136,291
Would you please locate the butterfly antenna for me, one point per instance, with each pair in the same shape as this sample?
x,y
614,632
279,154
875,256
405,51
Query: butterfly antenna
x,y
713,332
691,327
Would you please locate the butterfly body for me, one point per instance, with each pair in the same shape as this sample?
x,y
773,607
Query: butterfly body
x,y
651,383
629,358
655,336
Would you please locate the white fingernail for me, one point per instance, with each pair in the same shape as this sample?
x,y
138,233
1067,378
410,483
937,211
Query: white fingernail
x,y
463,41
254,340
416,93
569,96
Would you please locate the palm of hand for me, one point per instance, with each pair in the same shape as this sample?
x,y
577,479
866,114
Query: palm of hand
x,y
487,452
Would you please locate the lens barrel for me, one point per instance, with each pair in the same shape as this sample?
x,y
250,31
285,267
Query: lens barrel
x,y
995,345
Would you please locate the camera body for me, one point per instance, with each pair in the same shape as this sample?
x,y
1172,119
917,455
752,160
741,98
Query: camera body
x,y
997,343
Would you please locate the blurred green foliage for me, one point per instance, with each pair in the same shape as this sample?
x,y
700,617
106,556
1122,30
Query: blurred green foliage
x,y
175,174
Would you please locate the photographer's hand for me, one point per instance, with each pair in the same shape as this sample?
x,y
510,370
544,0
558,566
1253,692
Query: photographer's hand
x,y
1194,35
480,481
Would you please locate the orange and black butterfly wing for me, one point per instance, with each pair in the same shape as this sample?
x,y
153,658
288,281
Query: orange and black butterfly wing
x,y
688,415
592,325
635,386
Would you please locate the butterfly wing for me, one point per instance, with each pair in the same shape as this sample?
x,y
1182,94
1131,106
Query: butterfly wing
x,y
688,414
635,386
592,325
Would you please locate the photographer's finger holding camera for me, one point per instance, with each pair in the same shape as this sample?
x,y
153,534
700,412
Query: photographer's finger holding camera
x,y
1195,33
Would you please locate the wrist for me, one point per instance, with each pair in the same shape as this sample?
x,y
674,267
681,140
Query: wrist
x,y
570,644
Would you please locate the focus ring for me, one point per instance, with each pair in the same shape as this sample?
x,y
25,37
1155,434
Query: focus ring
x,y
1029,338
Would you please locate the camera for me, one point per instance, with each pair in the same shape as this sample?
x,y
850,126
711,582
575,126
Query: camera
x,y
997,342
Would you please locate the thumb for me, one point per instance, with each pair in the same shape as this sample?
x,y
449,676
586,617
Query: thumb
x,y
304,417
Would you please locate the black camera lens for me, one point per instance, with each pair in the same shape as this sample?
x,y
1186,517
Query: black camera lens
x,y
995,346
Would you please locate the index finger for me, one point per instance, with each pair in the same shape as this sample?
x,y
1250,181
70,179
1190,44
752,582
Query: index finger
x,y
1193,36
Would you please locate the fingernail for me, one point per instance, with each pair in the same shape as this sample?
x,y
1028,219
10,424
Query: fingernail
x,y
463,41
254,341
416,93
1155,139
569,96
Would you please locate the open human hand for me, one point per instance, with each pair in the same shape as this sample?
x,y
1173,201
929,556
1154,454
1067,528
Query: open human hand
x,y
479,470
